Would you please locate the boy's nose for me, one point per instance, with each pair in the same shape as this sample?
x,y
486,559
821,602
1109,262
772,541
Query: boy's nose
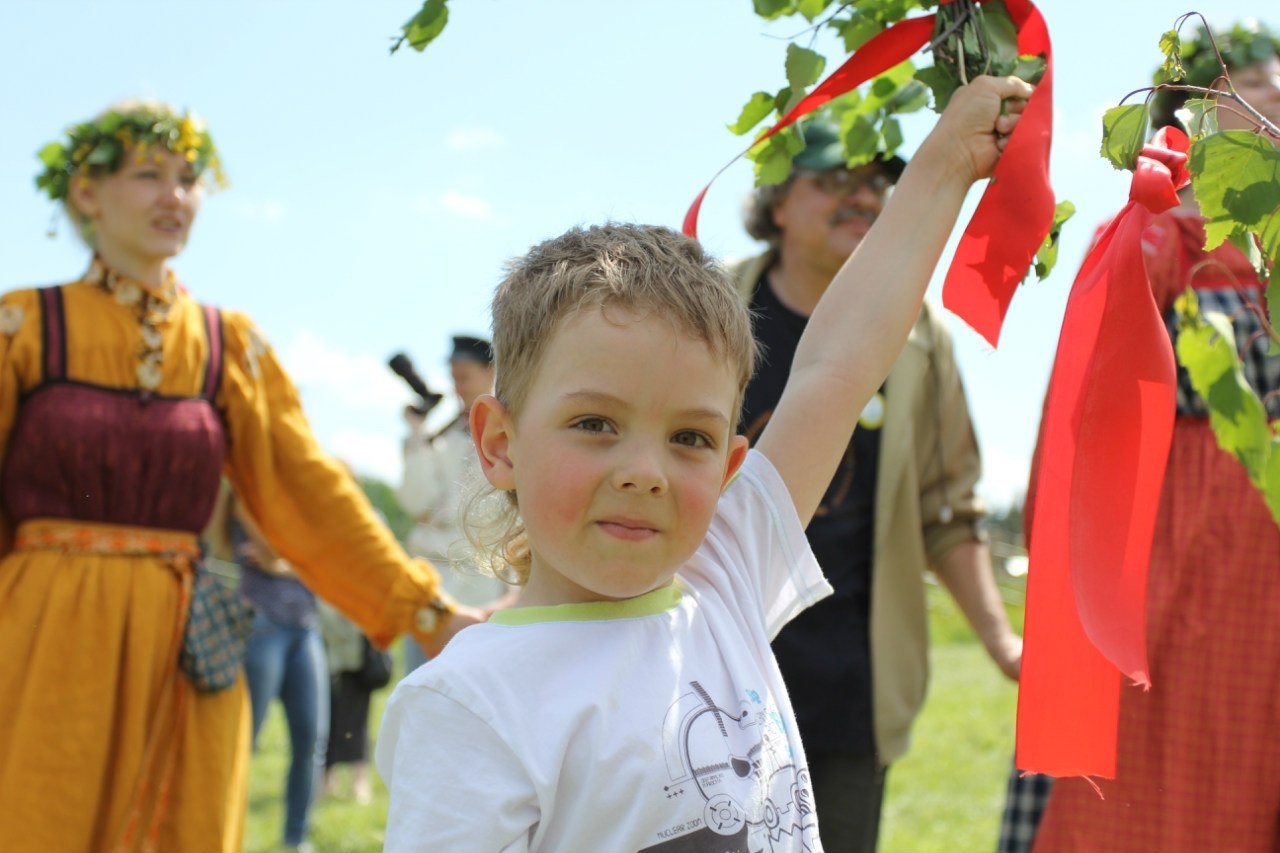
x,y
641,473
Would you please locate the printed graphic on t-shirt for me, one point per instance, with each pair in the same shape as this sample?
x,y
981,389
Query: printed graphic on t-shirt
x,y
737,763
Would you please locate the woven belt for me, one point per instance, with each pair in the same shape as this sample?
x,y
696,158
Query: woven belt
x,y
83,537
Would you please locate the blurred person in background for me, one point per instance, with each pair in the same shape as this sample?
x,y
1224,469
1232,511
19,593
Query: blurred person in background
x,y
901,503
438,468
1198,762
123,401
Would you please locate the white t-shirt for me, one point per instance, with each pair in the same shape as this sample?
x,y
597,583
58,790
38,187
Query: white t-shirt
x,y
659,723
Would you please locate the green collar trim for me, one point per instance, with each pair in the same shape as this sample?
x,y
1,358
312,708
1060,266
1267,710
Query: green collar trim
x,y
658,601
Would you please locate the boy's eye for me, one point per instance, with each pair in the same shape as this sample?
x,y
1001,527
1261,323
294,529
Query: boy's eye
x,y
689,438
599,425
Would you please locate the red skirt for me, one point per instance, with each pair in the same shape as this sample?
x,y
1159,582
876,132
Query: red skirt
x,y
1198,763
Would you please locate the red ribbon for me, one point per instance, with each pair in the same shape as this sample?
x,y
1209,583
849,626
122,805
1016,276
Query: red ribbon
x,y
1016,210
1107,426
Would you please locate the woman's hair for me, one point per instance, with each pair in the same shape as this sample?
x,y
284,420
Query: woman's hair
x,y
639,269
1241,46
99,147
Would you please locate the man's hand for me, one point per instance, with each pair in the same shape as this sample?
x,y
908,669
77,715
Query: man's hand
x,y
415,420
1007,653
976,125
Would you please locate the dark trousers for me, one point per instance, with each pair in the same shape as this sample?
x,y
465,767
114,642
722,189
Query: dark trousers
x,y
848,791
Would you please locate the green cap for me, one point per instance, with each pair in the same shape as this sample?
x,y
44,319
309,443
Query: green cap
x,y
824,151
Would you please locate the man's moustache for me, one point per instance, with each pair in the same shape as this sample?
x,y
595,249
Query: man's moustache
x,y
845,214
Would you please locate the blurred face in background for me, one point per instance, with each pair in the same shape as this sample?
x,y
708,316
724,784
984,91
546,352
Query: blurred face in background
x,y
471,378
141,214
825,215
1259,85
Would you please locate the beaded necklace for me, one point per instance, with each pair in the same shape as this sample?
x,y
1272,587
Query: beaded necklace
x,y
152,309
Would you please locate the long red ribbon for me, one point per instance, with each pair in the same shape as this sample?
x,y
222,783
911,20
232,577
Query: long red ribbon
x,y
1107,426
1016,210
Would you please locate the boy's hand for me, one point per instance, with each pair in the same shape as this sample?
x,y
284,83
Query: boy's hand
x,y
976,125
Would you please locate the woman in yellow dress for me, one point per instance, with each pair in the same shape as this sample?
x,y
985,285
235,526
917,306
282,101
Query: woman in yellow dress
x,y
123,401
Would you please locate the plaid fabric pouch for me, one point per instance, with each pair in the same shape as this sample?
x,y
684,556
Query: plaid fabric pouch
x,y
219,622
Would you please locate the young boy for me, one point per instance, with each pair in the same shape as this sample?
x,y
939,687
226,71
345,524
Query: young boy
x,y
631,701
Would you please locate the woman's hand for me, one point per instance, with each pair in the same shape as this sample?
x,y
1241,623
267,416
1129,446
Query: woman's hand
x,y
461,617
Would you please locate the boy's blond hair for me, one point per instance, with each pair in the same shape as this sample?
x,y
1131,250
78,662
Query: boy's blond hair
x,y
644,270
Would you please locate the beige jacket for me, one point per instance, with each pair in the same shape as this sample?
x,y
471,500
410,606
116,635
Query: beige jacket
x,y
928,460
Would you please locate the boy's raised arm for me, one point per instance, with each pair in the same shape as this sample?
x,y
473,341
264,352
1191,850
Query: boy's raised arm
x,y
863,319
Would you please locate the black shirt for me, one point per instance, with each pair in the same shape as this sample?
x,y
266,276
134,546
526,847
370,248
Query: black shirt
x,y
824,653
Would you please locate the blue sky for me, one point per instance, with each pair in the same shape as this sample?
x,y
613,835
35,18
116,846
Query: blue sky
x,y
374,199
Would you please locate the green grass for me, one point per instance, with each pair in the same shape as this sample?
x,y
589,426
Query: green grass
x,y
945,795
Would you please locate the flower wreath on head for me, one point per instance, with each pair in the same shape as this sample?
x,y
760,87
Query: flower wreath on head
x,y
101,143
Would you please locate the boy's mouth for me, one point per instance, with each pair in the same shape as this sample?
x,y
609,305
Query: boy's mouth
x,y
630,529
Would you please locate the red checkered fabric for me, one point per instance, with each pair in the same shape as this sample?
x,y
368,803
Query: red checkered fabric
x,y
1198,765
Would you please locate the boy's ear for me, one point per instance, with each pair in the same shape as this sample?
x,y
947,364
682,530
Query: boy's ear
x,y
491,431
738,447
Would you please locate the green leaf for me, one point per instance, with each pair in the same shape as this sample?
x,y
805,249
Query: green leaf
x,y
53,154
913,96
1047,254
773,156
857,30
753,112
890,11
1002,38
811,9
884,89
1124,132
1273,306
1270,484
1203,119
860,137
891,134
105,153
423,27
770,9
1207,349
1236,178
1248,246
786,99
940,83
1171,70
1030,68
804,67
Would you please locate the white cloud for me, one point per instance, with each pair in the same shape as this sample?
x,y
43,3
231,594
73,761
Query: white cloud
x,y
368,454
454,204
470,207
474,139
1004,478
267,210
347,378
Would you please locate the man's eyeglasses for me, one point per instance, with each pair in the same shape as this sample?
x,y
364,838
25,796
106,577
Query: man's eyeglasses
x,y
842,181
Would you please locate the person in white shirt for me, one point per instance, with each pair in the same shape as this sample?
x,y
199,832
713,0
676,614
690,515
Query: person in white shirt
x,y
438,467
630,700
